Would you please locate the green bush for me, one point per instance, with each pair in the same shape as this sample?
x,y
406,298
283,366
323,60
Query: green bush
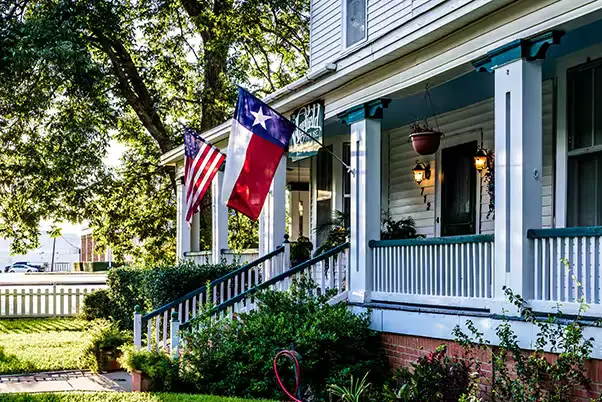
x,y
153,287
160,369
519,375
234,356
90,266
98,305
434,377
105,339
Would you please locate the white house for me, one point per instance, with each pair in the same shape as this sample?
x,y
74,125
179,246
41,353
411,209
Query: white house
x,y
522,79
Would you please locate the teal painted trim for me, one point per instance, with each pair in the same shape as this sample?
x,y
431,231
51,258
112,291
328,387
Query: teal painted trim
x,y
432,241
212,284
586,231
530,49
368,110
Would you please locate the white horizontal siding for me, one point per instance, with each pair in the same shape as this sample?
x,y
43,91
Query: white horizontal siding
x,y
325,25
384,14
405,197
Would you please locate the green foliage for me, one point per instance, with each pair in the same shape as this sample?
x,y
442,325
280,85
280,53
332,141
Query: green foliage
x,y
405,228
117,397
243,233
300,251
33,345
104,340
90,266
234,356
519,375
355,392
98,305
434,377
152,287
76,75
160,369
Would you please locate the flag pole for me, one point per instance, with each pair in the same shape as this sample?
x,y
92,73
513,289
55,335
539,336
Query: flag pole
x,y
349,168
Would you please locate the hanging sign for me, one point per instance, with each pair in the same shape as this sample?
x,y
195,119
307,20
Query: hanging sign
x,y
309,118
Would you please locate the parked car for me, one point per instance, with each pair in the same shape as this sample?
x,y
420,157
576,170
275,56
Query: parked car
x,y
23,267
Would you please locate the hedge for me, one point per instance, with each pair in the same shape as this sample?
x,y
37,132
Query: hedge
x,y
117,397
90,266
151,287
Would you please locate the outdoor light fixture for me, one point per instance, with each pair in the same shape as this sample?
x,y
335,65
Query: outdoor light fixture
x,y
480,159
421,172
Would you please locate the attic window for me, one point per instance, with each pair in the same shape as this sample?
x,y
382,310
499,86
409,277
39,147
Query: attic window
x,y
355,21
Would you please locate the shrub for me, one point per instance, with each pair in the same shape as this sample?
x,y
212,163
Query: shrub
x,y
235,356
405,228
105,340
98,305
434,377
153,287
519,375
160,369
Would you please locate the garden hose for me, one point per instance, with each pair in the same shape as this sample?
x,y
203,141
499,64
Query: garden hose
x,y
293,357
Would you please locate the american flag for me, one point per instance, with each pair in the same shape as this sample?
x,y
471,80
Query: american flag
x,y
202,161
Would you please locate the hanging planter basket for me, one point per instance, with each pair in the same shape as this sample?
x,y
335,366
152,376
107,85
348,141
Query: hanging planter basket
x,y
426,142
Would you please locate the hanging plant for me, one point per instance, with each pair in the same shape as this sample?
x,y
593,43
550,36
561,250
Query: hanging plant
x,y
489,178
425,140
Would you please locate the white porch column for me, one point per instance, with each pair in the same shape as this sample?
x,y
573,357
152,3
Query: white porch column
x,y
518,160
182,227
219,219
365,125
272,222
195,233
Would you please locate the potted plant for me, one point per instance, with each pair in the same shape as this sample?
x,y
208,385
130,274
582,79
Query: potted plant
x,y
151,370
103,350
425,140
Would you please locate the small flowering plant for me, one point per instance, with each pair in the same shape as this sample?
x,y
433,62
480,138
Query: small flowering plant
x,y
434,377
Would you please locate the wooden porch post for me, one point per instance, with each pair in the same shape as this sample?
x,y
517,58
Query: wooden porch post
x,y
219,219
518,160
182,227
365,126
272,222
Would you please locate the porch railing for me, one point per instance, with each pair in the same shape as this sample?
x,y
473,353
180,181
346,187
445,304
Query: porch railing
x,y
158,323
568,268
446,271
230,256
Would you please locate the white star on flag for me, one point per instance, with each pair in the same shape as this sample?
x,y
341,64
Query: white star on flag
x,y
260,118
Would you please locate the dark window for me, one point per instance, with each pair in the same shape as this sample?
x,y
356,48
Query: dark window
x,y
458,190
584,107
347,183
355,21
324,189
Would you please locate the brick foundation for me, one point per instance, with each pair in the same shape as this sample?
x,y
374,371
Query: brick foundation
x,y
403,350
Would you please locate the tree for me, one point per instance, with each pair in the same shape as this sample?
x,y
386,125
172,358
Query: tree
x,y
75,74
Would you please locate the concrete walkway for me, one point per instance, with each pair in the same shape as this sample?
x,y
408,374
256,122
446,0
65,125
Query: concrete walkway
x,y
62,381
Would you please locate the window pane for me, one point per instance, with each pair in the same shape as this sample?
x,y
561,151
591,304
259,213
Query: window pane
x,y
598,106
584,190
580,108
356,21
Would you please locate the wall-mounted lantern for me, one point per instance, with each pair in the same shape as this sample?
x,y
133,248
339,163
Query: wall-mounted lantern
x,y
480,159
421,172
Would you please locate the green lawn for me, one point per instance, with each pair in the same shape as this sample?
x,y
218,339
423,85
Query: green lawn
x,y
117,397
40,345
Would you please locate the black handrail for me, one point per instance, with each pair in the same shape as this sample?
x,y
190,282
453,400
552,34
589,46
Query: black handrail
x,y
276,279
244,268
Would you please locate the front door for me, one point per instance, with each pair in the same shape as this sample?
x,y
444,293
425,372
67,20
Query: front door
x,y
458,190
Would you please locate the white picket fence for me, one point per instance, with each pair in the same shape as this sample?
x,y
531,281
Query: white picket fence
x,y
27,300
447,271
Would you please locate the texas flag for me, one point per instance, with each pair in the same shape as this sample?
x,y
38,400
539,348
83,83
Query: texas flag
x,y
258,139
